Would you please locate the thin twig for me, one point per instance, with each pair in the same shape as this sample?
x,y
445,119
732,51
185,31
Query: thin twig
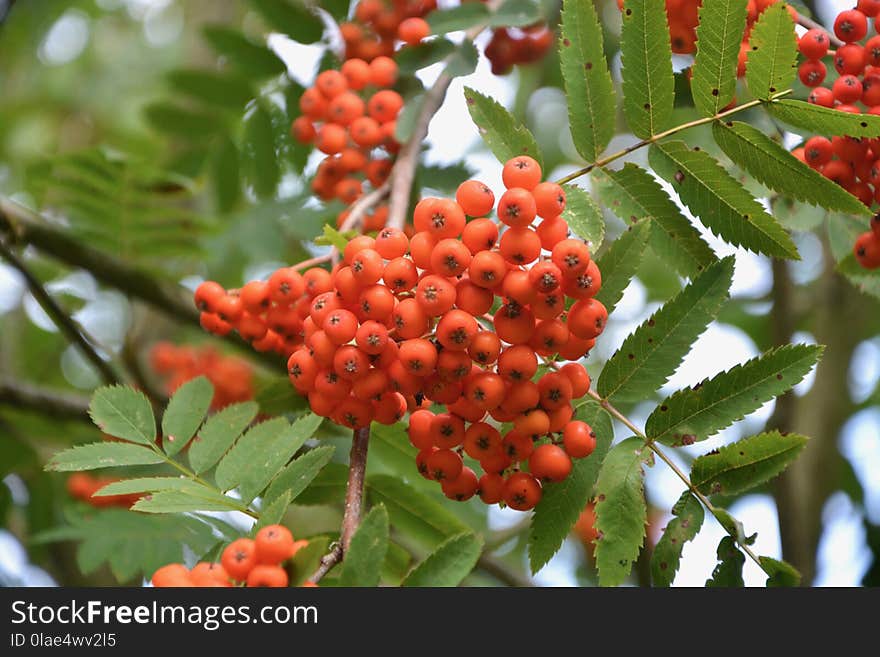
x,y
311,262
501,572
61,405
358,210
650,444
74,333
608,159
354,503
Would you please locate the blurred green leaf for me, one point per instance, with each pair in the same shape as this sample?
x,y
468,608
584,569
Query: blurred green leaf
x,y
292,18
251,58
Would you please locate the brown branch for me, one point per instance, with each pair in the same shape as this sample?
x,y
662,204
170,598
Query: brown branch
x,y
354,503
501,572
357,211
28,227
72,331
60,405
311,262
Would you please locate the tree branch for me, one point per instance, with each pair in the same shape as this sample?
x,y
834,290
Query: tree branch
x,y
29,227
74,333
354,503
60,405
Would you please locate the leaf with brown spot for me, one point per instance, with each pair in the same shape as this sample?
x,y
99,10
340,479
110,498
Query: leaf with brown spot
x,y
683,527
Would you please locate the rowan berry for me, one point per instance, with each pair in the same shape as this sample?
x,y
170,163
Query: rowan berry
x,y
475,198
450,258
268,576
239,558
517,207
444,465
463,487
520,246
522,491
356,72
867,250
521,171
491,488
850,26
384,105
383,72
586,318
549,199
487,269
472,298
550,463
274,544
484,347
813,44
479,235
207,574
413,30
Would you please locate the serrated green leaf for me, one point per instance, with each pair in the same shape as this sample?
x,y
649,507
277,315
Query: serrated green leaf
x,y
721,203
646,55
413,512
688,518
620,262
177,121
123,412
780,573
454,19
652,353
449,564
773,166
730,524
772,61
583,216
291,18
218,434
296,477
223,90
254,59
273,513
588,86
719,35
258,153
503,134
102,455
225,174
328,487
261,452
369,545
334,237
463,60
145,485
737,467
444,178
823,120
696,413
621,511
516,13
185,413
562,503
178,501
728,572
633,194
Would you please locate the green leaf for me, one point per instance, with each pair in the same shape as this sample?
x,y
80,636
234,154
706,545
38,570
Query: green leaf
x,y
688,512
328,487
584,217
780,573
516,13
728,572
183,123
253,59
719,35
454,19
296,477
145,485
185,413
737,467
444,178
562,503
620,262
273,513
652,353
123,412
102,455
621,511
412,511
648,85
406,120
261,452
730,524
633,194
823,120
258,153
772,62
225,174
415,58
334,237
177,501
696,413
369,545
218,434
449,564
588,86
463,60
773,166
223,90
504,135
721,203
291,18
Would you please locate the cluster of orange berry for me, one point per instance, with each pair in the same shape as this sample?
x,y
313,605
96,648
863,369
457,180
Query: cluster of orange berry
x,y
231,377
248,562
403,323
510,45
852,163
82,485
379,23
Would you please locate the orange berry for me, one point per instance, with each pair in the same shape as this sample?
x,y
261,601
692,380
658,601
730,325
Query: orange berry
x,y
413,30
435,295
578,439
456,329
383,72
418,356
517,207
484,347
550,463
491,488
521,171
357,73
487,269
172,575
450,258
444,465
274,544
475,198
207,574
268,576
472,298
239,558
384,105
520,246
480,235
522,491
331,138
587,318
549,199
331,83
